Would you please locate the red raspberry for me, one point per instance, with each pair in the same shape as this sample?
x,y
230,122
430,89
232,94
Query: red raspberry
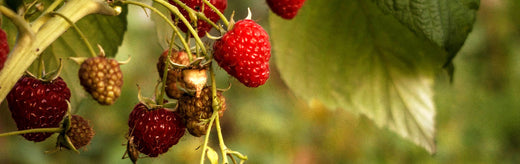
x,y
38,104
198,5
244,52
286,9
4,48
154,131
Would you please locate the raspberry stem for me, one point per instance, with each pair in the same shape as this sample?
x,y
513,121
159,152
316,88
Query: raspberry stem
x,y
177,13
222,16
37,130
165,72
206,138
40,21
177,32
197,14
80,33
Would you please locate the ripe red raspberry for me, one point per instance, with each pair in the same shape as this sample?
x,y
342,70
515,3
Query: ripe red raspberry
x,y
244,52
196,110
4,48
154,131
37,104
102,78
198,5
80,132
286,9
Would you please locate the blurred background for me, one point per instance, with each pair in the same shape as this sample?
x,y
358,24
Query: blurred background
x,y
478,115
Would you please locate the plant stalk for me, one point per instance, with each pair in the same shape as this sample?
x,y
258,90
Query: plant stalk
x,y
38,130
28,48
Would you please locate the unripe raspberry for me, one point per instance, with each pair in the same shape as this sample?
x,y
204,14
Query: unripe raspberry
x,y
80,132
102,78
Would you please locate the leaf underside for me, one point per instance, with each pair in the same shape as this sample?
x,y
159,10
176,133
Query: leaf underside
x,y
359,56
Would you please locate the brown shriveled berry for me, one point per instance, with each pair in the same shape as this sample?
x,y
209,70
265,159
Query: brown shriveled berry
x,y
80,132
196,110
102,78
197,128
188,78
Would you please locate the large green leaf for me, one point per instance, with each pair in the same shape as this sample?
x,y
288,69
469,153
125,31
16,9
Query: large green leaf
x,y
445,22
107,31
354,56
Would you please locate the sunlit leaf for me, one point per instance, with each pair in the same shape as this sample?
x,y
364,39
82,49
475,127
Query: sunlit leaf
x,y
352,55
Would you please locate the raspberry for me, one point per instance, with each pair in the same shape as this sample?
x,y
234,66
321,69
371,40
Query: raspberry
x,y
286,9
244,52
4,48
198,5
189,78
154,131
102,78
196,109
38,104
80,132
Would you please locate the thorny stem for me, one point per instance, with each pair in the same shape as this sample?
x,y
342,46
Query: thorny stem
x,y
176,11
81,35
45,17
38,130
177,32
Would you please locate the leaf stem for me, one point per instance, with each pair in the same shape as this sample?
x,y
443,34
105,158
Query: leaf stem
x,y
82,36
38,130
177,32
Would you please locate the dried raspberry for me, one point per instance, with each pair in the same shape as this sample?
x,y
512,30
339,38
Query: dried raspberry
x,y
197,109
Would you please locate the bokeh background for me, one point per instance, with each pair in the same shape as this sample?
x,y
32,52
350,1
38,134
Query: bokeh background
x,y
478,118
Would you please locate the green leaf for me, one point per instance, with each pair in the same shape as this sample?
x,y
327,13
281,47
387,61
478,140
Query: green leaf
x,y
163,29
352,55
447,23
107,31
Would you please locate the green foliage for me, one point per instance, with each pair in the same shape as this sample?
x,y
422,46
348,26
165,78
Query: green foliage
x,y
367,61
104,30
